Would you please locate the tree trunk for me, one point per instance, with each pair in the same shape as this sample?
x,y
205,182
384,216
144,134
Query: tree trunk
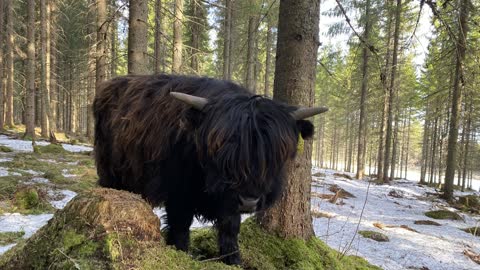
x,y
363,98
177,37
9,59
227,73
53,67
250,80
388,138
113,40
196,32
467,144
294,84
3,36
384,79
158,50
137,37
268,55
456,101
30,108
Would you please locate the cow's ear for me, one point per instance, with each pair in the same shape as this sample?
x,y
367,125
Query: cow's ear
x,y
306,128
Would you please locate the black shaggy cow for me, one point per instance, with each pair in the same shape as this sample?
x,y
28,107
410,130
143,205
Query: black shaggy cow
x,y
200,146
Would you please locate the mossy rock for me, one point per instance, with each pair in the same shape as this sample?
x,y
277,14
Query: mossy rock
x,y
469,201
7,238
5,149
110,229
473,230
379,237
443,214
31,200
426,222
50,149
101,229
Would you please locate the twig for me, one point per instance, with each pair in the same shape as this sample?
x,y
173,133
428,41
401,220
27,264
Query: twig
x,y
221,257
347,248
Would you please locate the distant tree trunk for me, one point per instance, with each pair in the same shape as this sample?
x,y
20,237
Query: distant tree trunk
x,y
388,138
177,37
9,59
53,67
113,40
456,100
408,143
3,36
100,62
434,147
384,78
30,104
250,78
363,98
268,55
395,139
137,37
158,50
227,73
196,32
47,120
467,144
294,84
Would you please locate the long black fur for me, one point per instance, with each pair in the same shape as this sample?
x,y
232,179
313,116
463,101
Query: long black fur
x,y
196,163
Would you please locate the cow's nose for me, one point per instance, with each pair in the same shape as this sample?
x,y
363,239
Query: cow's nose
x,y
248,202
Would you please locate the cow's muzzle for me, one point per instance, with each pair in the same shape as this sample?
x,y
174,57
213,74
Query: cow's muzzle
x,y
247,204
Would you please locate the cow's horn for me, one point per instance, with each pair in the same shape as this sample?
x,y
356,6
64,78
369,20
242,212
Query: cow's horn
x,y
302,113
196,102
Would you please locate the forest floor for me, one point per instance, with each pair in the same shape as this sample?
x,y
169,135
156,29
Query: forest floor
x,y
346,213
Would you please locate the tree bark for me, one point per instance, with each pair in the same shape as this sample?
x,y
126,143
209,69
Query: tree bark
x,y
467,145
30,100
137,37
363,98
177,37
456,101
158,50
53,67
294,83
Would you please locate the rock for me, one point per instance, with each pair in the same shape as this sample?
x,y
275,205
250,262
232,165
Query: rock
x,y
343,175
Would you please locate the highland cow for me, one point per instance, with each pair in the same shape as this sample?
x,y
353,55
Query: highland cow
x,y
201,147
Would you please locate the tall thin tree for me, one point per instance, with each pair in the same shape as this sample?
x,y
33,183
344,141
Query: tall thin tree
x,y
177,37
461,47
30,100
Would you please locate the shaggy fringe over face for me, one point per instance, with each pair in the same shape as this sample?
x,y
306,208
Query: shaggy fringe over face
x,y
247,138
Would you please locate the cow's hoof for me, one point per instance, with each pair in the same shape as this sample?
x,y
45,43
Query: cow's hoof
x,y
232,260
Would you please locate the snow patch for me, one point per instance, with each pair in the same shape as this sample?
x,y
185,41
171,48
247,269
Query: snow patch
x,y
64,196
6,159
76,148
16,222
434,247
37,180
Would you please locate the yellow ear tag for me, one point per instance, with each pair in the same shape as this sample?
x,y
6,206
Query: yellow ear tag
x,y
300,145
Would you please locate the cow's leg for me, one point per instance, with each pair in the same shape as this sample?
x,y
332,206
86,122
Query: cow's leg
x,y
179,219
228,229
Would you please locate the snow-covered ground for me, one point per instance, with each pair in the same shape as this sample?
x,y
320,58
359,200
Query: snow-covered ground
x,y
428,247
432,247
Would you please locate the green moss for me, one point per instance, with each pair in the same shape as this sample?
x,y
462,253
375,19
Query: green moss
x,y
260,250
379,237
7,238
5,149
27,198
473,230
443,214
51,149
